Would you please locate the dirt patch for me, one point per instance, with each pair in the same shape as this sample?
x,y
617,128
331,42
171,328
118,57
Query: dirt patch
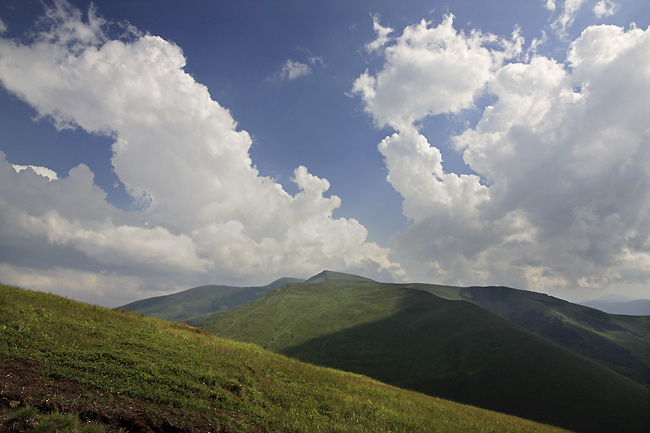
x,y
22,384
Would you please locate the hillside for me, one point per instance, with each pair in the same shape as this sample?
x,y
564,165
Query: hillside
x,y
181,306
619,342
454,349
128,372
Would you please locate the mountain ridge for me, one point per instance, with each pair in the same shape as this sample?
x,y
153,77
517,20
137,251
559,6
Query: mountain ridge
x,y
328,276
621,343
635,307
453,349
198,301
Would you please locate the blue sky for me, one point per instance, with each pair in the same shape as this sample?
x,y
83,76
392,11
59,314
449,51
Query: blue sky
x,y
239,141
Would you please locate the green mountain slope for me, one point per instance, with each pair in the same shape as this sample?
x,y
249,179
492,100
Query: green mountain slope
x,y
127,371
454,349
182,306
619,342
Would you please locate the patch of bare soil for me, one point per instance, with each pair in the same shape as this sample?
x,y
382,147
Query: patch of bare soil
x,y
22,384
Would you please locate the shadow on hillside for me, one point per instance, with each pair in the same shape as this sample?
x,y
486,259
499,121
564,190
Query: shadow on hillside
x,y
458,351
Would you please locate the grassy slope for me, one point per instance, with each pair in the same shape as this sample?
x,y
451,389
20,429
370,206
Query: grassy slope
x,y
454,349
239,387
620,342
202,300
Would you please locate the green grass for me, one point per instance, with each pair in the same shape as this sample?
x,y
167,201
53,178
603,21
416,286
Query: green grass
x,y
237,386
413,339
28,419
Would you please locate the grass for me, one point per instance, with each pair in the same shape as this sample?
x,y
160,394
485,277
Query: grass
x,y
452,349
28,419
236,386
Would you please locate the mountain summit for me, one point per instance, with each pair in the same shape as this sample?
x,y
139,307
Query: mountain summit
x,y
339,277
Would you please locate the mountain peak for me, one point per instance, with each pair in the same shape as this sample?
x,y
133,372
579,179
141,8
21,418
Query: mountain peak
x,y
338,277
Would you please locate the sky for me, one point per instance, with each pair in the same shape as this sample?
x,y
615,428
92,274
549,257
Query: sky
x,y
147,147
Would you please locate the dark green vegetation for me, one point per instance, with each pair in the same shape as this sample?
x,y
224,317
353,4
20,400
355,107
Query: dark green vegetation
x,y
453,349
182,306
28,419
159,376
619,342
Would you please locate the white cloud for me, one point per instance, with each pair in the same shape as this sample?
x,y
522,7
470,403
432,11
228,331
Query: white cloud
x,y
92,287
293,70
564,151
3,26
567,16
550,5
416,172
41,171
381,32
206,212
429,71
605,8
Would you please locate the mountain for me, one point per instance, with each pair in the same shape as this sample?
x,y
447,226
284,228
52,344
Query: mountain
x,y
636,307
452,349
619,342
68,362
339,277
182,306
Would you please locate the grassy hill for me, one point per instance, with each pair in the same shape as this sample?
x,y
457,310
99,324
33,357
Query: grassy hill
x,y
619,342
75,362
181,306
454,349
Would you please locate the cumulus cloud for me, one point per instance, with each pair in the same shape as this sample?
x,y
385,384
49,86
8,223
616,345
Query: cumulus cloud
x,y
205,212
564,154
416,172
429,71
41,171
3,26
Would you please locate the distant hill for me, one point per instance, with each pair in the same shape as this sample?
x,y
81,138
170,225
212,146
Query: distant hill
x,y
414,339
620,342
637,307
131,373
188,304
339,277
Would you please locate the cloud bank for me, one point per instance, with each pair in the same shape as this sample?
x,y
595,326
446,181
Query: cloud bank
x,y
561,195
203,211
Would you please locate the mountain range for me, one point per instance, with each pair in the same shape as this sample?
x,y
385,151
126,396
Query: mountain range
x,y
620,305
498,348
